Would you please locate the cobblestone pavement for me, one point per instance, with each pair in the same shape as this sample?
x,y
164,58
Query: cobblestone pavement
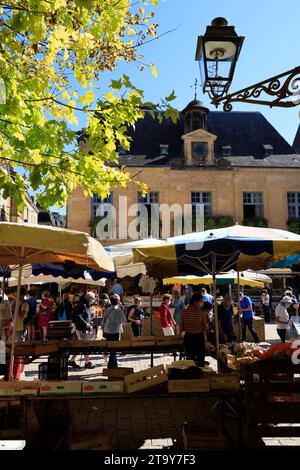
x,y
133,424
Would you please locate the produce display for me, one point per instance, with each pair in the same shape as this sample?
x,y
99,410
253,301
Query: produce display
x,y
241,353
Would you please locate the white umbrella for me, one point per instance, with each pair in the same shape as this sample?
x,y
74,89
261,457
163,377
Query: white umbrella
x,y
256,276
122,255
42,279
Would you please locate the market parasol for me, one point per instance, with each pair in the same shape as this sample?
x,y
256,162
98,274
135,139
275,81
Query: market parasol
x,y
214,251
42,279
228,278
122,254
23,244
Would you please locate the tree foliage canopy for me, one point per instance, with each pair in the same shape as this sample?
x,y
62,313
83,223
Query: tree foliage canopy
x,y
53,54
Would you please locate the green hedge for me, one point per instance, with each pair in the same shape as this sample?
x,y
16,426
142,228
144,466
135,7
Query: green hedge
x,y
256,222
294,225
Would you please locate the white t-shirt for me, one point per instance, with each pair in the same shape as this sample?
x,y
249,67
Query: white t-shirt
x,y
265,299
282,313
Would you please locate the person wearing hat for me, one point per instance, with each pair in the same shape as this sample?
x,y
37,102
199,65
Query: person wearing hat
x,y
282,316
293,308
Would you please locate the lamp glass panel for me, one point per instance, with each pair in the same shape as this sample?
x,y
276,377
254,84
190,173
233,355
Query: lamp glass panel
x,y
218,69
228,48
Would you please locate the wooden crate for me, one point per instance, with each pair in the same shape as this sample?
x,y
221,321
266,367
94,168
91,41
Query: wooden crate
x,y
181,364
232,362
224,382
117,374
198,437
156,328
102,387
19,388
127,332
140,341
24,348
15,434
123,343
59,333
52,387
168,341
145,379
259,326
187,386
45,348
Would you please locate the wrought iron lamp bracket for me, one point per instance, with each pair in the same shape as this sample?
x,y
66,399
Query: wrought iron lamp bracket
x,y
285,88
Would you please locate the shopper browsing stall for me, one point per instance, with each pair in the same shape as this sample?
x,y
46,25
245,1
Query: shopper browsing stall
x,y
31,319
21,315
82,319
112,325
194,324
135,316
282,317
166,318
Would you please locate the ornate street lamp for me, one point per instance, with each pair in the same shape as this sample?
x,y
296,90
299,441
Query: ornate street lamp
x,y
217,52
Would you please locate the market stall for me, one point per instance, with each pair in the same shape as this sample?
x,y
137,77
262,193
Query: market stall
x,y
24,244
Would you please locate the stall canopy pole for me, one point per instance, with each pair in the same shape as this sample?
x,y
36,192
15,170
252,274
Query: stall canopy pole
x,y
151,315
59,290
16,313
3,288
239,304
216,309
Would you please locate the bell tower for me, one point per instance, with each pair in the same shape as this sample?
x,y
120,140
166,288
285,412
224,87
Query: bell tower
x,y
195,115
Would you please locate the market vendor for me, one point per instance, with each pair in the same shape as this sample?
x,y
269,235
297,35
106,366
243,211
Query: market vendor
x,y
246,312
225,315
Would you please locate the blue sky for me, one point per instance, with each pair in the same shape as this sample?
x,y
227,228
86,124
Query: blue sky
x,y
271,29
271,46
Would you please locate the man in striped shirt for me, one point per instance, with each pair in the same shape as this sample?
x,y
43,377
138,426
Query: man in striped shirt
x,y
194,324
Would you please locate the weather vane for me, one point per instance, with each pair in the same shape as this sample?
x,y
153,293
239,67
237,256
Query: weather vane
x,y
195,86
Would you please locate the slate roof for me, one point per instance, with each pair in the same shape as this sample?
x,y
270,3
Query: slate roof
x,y
246,133
296,143
272,161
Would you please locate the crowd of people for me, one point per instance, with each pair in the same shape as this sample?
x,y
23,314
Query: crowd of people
x,y
191,317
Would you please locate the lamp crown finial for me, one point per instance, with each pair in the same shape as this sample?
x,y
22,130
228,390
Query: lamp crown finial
x,y
220,21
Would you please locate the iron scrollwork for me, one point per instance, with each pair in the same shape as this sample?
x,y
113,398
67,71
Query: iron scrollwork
x,y
284,87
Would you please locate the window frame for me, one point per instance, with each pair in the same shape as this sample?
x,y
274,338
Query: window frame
x,y
295,204
207,203
95,204
252,201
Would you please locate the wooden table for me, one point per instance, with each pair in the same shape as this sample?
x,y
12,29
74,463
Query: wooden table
x,y
221,400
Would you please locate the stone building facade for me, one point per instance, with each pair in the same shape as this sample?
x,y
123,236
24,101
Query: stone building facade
x,y
234,164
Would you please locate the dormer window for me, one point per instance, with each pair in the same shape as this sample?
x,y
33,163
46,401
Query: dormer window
x,y
269,150
164,149
226,150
